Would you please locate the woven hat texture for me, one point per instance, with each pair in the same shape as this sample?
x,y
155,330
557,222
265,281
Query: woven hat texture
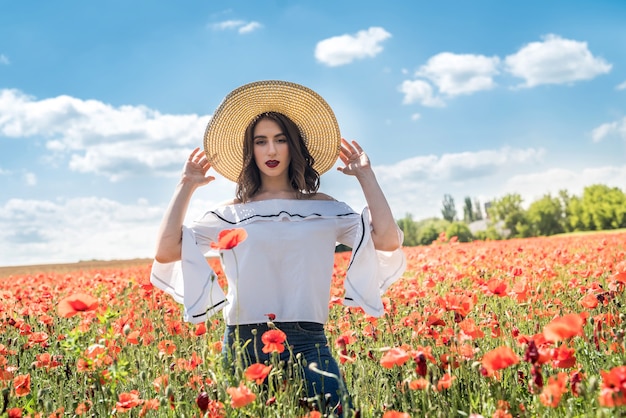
x,y
224,135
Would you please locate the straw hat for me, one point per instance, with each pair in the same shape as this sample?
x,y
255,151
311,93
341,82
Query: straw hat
x,y
224,135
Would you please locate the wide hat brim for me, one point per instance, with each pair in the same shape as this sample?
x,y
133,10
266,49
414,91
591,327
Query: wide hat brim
x,y
224,135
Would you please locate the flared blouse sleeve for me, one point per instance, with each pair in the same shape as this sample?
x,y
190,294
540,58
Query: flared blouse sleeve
x,y
370,271
191,281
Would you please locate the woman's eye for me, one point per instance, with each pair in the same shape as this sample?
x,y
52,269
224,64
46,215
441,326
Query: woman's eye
x,y
259,142
281,140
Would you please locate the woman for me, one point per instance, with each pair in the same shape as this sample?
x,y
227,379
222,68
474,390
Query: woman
x,y
274,139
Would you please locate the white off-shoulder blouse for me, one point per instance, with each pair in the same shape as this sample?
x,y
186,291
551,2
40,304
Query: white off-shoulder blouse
x,y
284,266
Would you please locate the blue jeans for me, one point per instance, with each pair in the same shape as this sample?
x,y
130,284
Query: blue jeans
x,y
305,338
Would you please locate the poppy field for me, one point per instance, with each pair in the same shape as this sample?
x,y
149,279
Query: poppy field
x,y
517,328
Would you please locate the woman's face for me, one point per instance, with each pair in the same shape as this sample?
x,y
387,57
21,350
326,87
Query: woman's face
x,y
271,149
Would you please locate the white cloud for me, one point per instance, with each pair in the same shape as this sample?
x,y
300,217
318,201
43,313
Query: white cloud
x,y
607,129
455,74
533,186
4,60
421,92
621,86
250,27
100,138
241,26
341,50
417,185
415,116
458,166
555,60
35,231
70,230
30,179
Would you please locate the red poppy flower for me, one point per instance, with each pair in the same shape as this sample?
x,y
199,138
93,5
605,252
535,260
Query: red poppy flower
x,y
418,384
83,407
45,360
344,339
40,338
274,341
229,239
394,357
589,301
613,389
565,327
563,357
469,328
434,320
14,412
79,302
240,396
553,390
396,414
619,277
160,383
257,372
21,384
133,337
445,382
497,287
150,404
200,329
167,347
128,400
499,358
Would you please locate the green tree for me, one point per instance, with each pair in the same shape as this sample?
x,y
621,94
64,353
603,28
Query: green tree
x,y
478,213
576,220
448,210
409,228
546,216
509,210
603,207
428,230
468,211
460,230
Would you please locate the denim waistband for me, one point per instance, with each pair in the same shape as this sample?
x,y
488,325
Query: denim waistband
x,y
280,325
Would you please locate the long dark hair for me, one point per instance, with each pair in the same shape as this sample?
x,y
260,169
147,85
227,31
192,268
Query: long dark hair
x,y
304,179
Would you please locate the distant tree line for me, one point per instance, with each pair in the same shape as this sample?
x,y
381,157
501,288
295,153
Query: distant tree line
x,y
598,208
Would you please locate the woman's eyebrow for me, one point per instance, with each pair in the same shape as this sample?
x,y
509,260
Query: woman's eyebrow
x,y
265,137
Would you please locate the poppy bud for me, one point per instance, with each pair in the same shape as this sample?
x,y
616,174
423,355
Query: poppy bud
x,y
532,353
203,401
537,376
421,368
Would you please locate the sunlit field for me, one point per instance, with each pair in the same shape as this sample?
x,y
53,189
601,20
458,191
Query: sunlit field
x,y
518,328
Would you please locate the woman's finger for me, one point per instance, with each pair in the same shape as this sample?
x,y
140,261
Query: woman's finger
x,y
357,147
193,154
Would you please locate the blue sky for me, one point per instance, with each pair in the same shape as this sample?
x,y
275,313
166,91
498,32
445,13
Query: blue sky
x,y
101,102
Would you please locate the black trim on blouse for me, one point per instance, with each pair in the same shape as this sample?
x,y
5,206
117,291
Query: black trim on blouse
x,y
276,215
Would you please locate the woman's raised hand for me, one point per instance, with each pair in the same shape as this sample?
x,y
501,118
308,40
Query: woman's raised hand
x,y
354,158
196,169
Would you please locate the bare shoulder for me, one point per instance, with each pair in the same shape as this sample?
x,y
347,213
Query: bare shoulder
x,y
321,196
